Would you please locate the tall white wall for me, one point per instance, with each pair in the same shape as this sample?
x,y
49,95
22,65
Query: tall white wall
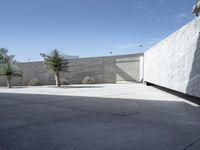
x,y
174,63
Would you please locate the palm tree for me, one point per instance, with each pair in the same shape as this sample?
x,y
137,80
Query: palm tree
x,y
10,70
56,63
5,57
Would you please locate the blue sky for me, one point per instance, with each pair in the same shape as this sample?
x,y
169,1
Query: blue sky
x,y
88,27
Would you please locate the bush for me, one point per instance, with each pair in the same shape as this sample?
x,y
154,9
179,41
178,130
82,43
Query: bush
x,y
34,82
88,80
64,81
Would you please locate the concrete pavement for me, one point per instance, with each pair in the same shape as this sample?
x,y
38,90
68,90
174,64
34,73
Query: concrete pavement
x,y
97,117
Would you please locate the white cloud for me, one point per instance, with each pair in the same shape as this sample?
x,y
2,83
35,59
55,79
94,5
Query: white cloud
x,y
137,45
162,1
184,15
139,6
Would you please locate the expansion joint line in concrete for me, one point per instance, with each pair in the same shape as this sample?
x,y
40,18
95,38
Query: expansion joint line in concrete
x,y
6,148
63,119
52,121
190,145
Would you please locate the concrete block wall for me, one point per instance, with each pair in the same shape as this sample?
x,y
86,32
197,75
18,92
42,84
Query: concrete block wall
x,y
174,63
128,69
102,69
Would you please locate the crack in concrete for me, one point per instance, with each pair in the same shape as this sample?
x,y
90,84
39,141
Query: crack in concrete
x,y
64,119
190,145
124,114
52,121
4,147
73,108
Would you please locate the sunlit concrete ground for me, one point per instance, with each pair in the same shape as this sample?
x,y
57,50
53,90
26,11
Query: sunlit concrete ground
x,y
97,117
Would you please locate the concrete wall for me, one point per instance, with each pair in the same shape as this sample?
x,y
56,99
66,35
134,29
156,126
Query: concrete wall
x,y
128,69
174,63
102,69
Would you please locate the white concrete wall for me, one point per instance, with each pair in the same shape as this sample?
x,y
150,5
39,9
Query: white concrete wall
x,y
174,62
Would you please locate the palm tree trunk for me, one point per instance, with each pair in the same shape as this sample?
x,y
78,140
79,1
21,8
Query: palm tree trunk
x,y
57,78
9,78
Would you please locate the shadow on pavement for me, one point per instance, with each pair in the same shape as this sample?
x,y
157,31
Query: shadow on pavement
x,y
47,122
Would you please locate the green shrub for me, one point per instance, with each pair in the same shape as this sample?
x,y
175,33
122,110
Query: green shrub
x,y
88,80
34,82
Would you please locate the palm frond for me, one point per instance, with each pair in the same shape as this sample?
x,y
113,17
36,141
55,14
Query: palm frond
x,y
55,61
10,69
5,57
